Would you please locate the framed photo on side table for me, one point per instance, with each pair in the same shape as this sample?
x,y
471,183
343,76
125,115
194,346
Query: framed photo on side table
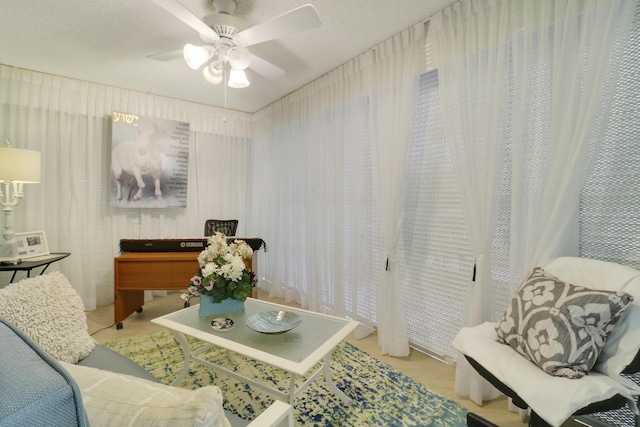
x,y
31,244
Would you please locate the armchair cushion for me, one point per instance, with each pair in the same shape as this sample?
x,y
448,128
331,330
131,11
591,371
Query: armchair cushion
x,y
104,358
49,311
560,327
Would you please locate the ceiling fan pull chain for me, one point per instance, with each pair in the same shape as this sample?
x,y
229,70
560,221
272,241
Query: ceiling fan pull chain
x,y
224,71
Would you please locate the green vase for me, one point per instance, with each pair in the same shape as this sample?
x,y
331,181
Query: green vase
x,y
210,308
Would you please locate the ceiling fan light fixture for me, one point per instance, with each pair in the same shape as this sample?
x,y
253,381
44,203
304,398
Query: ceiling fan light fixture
x,y
213,72
226,38
217,67
239,57
237,79
195,56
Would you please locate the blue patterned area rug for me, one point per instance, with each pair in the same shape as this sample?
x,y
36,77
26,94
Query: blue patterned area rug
x,y
382,395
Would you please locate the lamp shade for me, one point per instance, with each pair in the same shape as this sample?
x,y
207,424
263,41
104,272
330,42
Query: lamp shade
x,y
237,79
18,165
239,57
213,72
195,56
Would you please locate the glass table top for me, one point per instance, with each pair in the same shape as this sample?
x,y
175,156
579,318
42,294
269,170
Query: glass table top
x,y
296,350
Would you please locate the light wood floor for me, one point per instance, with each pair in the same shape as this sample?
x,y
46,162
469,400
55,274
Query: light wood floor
x,y
436,375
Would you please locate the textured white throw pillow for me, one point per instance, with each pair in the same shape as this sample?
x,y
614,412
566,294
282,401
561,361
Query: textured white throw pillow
x,y
49,311
112,399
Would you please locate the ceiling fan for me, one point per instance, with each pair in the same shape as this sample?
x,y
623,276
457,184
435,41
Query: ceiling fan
x,y
226,39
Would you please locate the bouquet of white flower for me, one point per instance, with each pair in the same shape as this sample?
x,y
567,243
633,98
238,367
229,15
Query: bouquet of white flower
x,y
223,273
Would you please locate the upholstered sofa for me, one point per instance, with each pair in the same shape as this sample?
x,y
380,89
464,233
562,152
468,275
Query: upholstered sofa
x,y
54,373
564,344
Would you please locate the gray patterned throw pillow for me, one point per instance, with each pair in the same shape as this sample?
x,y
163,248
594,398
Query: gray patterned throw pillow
x,y
558,326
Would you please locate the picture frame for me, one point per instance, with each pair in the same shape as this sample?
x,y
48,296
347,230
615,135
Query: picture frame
x,y
31,244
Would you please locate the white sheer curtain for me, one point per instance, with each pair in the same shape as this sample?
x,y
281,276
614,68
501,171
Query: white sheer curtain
x,y
68,121
524,78
312,197
558,120
392,81
321,159
472,43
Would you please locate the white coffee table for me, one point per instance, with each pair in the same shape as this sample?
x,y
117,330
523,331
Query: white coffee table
x,y
296,351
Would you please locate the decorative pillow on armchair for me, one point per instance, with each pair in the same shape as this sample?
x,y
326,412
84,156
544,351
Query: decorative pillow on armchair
x,y
558,326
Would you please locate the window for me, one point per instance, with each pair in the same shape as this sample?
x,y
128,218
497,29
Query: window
x,y
434,241
610,199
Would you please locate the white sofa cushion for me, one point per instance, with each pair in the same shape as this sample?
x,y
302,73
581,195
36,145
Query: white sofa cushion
x,y
50,312
624,341
112,399
531,383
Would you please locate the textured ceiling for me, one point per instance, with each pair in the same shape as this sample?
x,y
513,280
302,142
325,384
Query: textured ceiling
x,y
108,42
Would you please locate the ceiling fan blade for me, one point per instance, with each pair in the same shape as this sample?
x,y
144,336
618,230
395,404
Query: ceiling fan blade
x,y
265,68
167,56
183,14
299,19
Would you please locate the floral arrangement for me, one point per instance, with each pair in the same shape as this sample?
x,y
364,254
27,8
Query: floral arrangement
x,y
222,273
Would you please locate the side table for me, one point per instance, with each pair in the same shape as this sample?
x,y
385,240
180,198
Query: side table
x,y
32,263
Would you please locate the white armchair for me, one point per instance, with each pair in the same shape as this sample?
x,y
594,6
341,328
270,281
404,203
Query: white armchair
x,y
600,386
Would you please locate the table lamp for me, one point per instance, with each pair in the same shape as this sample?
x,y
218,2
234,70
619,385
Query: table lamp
x,y
17,167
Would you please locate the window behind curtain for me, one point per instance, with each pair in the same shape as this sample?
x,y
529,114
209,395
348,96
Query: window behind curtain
x,y
610,199
434,241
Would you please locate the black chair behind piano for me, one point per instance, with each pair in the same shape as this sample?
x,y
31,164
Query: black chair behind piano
x,y
226,226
